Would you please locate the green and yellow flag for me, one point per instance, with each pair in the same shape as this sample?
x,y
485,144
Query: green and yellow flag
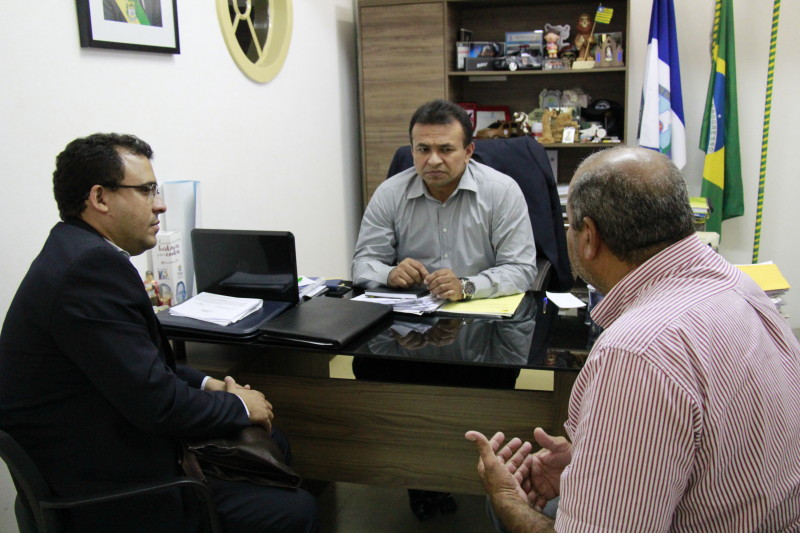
x,y
719,138
133,12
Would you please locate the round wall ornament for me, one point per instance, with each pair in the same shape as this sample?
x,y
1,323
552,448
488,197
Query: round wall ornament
x,y
257,34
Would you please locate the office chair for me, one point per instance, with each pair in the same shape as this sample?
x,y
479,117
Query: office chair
x,y
526,162
37,508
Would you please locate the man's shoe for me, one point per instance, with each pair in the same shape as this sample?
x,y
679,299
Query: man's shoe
x,y
424,504
421,506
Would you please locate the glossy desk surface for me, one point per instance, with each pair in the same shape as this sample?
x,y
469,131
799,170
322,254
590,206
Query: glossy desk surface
x,y
536,337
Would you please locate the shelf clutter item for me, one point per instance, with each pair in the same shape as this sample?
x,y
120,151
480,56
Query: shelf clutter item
x,y
701,209
770,279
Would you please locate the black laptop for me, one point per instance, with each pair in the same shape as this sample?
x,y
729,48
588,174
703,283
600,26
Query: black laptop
x,y
245,264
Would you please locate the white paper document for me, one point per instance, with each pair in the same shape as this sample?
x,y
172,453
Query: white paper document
x,y
565,300
414,306
217,309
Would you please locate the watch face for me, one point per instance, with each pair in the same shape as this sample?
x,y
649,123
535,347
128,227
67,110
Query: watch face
x,y
467,287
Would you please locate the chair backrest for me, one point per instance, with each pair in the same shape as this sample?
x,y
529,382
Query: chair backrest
x,y
526,162
31,486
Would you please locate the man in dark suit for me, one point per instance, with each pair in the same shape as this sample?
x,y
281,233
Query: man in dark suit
x,y
88,383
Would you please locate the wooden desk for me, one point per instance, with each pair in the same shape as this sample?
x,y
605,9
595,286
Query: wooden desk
x,y
382,433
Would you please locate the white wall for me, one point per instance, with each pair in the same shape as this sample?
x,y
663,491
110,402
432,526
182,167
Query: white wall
x,y
278,156
284,155
781,210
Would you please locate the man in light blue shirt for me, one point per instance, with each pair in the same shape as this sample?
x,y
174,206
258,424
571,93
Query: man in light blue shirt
x,y
455,225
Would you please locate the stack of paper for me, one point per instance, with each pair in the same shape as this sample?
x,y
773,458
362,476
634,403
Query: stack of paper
x,y
310,287
387,292
414,306
217,309
770,279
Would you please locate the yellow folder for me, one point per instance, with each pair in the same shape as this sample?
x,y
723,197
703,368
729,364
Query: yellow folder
x,y
767,275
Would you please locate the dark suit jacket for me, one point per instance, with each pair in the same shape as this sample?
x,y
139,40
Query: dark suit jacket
x,y
89,387
526,162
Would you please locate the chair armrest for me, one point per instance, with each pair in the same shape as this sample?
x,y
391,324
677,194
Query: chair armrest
x,y
542,279
203,490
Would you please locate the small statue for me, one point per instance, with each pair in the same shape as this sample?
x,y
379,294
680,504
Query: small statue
x,y
523,122
547,131
583,35
551,39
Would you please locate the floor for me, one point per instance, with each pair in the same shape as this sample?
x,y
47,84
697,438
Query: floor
x,y
344,508
351,508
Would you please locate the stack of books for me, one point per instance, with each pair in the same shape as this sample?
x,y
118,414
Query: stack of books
x,y
700,209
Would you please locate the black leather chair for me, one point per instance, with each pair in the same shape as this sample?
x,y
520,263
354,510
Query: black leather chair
x,y
38,510
526,162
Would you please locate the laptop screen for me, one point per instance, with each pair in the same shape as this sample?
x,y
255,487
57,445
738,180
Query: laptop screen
x,y
247,264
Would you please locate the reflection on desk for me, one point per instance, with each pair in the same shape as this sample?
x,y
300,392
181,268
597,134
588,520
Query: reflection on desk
x,y
534,337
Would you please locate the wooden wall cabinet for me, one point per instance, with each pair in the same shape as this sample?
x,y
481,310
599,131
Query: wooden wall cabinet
x,y
407,57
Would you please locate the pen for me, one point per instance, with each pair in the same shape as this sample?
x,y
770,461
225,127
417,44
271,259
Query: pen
x,y
544,305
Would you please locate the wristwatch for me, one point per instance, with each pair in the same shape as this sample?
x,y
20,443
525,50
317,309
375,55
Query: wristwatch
x,y
467,289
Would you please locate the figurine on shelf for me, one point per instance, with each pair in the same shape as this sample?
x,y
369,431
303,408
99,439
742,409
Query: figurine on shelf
x,y
551,39
563,120
562,33
547,130
583,35
608,53
523,123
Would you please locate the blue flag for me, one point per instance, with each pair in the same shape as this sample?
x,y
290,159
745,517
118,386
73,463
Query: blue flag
x,y
661,123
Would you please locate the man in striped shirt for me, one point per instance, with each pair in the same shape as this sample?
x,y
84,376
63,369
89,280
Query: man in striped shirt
x,y
686,416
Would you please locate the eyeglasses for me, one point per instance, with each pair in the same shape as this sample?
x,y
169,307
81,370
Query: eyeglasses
x,y
150,189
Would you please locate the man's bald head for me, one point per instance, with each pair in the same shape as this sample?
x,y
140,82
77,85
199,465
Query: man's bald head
x,y
636,197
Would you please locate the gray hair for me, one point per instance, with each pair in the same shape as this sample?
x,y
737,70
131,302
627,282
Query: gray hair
x,y
639,208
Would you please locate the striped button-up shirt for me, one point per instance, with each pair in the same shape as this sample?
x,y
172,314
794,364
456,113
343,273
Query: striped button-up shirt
x,y
686,416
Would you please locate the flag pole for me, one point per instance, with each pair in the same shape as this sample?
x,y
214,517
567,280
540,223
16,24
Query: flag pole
x,y
762,175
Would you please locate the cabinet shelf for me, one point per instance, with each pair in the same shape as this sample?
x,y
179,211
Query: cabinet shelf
x,y
407,56
585,146
557,72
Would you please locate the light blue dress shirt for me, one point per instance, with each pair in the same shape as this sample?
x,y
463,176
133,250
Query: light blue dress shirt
x,y
482,232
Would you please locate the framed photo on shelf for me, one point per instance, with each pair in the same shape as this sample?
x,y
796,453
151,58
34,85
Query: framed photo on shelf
x,y
486,115
470,108
142,25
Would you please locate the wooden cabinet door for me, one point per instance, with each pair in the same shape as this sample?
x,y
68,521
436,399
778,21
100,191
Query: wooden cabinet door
x,y
402,66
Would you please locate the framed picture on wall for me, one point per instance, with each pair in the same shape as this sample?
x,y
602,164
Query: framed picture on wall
x,y
143,25
470,108
486,115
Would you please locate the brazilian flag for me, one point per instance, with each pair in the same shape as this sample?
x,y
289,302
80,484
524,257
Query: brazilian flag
x,y
719,137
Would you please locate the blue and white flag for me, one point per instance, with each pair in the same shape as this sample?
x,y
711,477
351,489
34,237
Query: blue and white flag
x,y
661,123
